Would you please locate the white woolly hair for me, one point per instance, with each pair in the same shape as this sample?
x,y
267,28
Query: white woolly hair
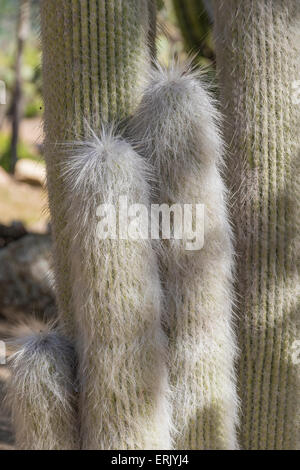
x,y
117,302
177,125
41,392
177,109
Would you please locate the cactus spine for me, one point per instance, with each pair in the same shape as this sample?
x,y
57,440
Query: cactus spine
x,y
258,51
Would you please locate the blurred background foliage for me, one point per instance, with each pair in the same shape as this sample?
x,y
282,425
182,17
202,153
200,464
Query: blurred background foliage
x,y
31,77
31,68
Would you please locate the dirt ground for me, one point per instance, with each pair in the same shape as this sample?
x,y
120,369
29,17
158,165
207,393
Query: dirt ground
x,y
31,130
22,202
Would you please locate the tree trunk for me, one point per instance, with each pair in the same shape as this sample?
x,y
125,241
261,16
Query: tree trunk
x,y
22,33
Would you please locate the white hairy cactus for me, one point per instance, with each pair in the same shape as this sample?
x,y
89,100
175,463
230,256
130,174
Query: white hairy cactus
x,y
41,393
178,127
117,302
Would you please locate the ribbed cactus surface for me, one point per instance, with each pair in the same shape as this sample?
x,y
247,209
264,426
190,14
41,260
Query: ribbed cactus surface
x,y
42,393
95,58
177,126
122,373
258,58
96,55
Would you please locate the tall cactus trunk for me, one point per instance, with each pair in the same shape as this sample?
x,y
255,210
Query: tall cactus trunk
x,y
258,57
41,393
117,303
94,56
177,125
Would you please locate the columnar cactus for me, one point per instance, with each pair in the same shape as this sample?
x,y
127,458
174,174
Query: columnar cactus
x,y
115,129
42,393
95,58
96,54
178,128
117,299
258,58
